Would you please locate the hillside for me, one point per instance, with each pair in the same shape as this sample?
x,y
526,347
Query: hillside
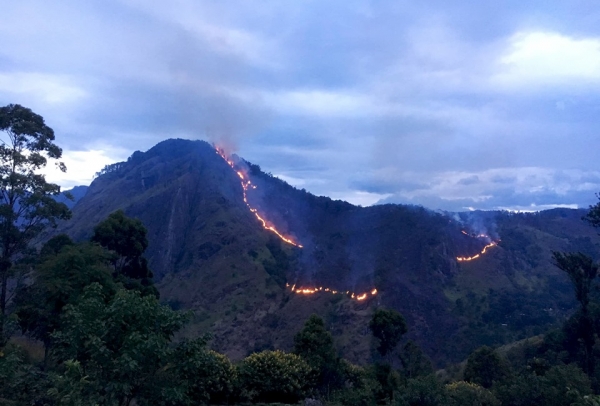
x,y
210,253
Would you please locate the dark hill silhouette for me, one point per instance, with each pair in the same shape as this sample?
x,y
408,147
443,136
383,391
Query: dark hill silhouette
x,y
210,253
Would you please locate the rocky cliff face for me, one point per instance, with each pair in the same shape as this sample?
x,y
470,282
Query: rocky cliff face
x,y
209,253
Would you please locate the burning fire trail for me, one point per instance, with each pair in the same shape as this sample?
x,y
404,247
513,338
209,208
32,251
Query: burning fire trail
x,y
352,295
476,235
247,184
490,245
483,251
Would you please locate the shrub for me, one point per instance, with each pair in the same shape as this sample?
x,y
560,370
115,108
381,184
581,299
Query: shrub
x,y
469,394
274,376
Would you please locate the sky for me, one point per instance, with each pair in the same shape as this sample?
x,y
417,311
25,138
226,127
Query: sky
x,y
455,106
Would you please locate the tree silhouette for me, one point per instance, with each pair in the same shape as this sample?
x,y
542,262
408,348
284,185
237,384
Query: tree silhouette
x,y
27,202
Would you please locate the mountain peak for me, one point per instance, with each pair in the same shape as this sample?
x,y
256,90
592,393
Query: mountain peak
x,y
211,250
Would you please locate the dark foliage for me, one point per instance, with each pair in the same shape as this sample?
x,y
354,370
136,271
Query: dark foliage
x,y
27,203
387,326
485,367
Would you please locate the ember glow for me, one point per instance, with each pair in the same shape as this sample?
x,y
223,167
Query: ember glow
x,y
311,291
483,251
247,184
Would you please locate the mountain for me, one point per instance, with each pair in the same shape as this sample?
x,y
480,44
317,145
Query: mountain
x,y
211,253
76,193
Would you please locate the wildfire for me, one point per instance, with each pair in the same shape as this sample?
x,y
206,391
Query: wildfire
x,y
247,184
352,295
490,245
483,251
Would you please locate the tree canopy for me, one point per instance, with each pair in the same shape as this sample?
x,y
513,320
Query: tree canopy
x,y
60,280
121,344
315,345
388,326
125,238
27,202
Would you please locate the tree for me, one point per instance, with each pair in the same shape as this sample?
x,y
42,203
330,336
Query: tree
x,y
205,376
423,391
465,393
414,362
20,382
121,345
388,327
126,238
315,345
59,280
27,205
484,367
593,216
274,376
582,271
388,381
560,385
54,245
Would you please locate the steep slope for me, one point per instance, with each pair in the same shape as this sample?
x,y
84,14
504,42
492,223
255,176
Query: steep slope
x,y
76,193
210,253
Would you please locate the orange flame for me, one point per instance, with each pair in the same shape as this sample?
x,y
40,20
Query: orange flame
x,y
483,251
490,245
310,291
246,184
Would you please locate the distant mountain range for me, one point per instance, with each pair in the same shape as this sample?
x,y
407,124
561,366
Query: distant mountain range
x,y
210,252
76,193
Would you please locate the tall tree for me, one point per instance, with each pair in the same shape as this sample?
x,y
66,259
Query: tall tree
x,y
126,238
274,376
582,271
27,202
122,346
315,345
58,280
388,326
593,216
414,362
484,367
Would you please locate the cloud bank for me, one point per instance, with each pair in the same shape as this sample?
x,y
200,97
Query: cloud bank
x,y
451,106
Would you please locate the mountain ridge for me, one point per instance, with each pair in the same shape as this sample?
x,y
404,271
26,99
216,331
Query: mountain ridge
x,y
210,254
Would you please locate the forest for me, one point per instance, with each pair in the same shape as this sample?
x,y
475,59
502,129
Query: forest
x,y
82,323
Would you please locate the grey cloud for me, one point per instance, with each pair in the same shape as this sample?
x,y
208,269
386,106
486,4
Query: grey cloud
x,y
381,186
503,179
498,201
493,195
419,75
469,181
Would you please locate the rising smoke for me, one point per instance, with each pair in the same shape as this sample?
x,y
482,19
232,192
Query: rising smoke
x,y
213,99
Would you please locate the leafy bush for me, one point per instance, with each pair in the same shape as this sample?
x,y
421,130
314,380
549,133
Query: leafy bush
x,y
205,375
360,386
19,380
423,391
469,394
560,385
274,376
484,367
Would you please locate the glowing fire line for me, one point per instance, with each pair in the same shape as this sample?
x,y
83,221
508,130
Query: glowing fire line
x,y
483,251
490,245
246,184
311,291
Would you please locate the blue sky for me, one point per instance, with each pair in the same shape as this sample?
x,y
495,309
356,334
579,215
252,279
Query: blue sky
x,y
451,105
